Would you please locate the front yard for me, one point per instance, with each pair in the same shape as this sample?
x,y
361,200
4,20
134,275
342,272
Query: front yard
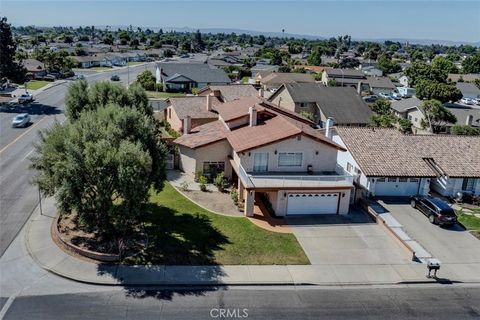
x,y
164,95
182,233
37,84
471,222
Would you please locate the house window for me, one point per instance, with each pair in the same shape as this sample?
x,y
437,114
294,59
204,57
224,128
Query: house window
x,y
414,180
303,105
349,167
381,180
290,159
402,179
170,113
260,162
410,117
467,184
416,119
212,168
392,179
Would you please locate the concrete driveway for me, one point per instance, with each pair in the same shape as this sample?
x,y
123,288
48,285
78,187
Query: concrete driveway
x,y
351,239
448,244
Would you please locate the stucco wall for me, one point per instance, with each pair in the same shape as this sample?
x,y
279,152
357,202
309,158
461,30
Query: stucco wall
x,y
451,186
173,119
325,160
286,100
415,114
192,160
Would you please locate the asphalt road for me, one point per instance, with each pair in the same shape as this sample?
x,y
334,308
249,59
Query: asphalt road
x,y
18,197
256,303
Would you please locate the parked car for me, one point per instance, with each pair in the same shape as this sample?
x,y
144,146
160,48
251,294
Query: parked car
x,y
115,78
437,210
371,98
467,101
25,98
21,120
49,77
396,96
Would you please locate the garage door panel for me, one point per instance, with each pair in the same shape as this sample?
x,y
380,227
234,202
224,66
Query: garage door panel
x,y
390,187
312,203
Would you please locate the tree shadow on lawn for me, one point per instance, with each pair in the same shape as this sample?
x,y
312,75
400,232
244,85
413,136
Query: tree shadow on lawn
x,y
185,243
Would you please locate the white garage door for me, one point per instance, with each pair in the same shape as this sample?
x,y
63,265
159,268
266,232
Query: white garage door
x,y
312,203
396,187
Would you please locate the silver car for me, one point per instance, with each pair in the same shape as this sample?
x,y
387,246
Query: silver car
x,y
21,120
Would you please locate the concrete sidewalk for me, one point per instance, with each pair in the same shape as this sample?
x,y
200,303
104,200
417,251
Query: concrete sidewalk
x,y
50,257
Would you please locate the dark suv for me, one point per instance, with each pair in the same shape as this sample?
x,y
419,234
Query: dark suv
x,y
437,210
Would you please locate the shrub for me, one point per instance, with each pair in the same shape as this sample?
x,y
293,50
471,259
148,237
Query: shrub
x,y
203,183
184,186
234,196
198,174
220,181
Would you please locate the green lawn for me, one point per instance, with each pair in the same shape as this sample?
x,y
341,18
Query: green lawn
x,y
37,84
164,95
470,222
245,80
182,233
99,68
134,63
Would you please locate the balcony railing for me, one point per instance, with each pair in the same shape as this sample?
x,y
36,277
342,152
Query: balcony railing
x,y
295,180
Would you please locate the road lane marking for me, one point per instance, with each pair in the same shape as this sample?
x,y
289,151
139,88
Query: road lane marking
x,y
20,136
6,306
28,154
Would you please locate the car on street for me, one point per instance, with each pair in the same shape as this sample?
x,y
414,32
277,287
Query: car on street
x,y
21,120
437,210
396,96
467,101
50,77
115,78
386,96
370,98
25,98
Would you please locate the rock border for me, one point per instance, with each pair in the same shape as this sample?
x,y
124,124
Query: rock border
x,y
68,246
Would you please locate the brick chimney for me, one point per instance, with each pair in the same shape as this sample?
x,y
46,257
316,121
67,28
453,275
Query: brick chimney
x,y
187,125
252,112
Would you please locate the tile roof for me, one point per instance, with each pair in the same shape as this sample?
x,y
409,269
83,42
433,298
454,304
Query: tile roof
x,y
388,152
195,107
343,104
238,108
203,135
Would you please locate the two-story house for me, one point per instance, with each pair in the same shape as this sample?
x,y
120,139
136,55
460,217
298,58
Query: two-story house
x,y
263,148
342,104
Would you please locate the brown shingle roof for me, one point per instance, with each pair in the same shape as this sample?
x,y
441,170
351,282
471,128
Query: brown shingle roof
x,y
388,152
238,108
195,107
232,92
280,78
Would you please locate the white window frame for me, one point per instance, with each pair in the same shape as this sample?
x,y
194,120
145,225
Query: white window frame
x,y
290,165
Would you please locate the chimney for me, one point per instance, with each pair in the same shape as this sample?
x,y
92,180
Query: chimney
x,y
209,103
469,120
253,116
187,125
328,126
260,93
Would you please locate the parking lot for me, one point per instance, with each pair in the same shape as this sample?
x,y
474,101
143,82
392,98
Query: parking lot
x,y
448,244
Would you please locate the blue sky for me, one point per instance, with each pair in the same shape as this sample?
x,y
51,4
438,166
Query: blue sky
x,y
421,19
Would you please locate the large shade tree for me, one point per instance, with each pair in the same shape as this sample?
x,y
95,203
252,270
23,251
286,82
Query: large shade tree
x,y
101,166
437,117
9,67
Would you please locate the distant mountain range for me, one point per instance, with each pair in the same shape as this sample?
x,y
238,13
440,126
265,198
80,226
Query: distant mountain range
x,y
305,36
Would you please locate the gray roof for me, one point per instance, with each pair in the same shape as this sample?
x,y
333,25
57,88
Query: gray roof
x,y
198,72
343,104
380,82
462,112
469,90
405,104
345,73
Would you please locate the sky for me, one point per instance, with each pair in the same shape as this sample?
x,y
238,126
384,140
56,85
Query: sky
x,y
421,19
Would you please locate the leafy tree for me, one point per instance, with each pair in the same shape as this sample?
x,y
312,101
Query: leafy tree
x,y
421,70
443,92
315,57
471,64
405,125
348,63
147,80
442,63
9,68
381,106
102,167
382,120
386,64
80,97
437,116
309,115
464,130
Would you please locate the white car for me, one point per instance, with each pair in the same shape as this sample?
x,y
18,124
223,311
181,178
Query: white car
x,y
21,120
25,98
467,101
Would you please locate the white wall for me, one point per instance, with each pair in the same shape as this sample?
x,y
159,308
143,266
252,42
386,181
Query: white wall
x,y
451,186
325,160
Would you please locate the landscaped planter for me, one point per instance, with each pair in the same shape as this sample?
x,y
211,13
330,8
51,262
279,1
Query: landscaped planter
x,y
70,247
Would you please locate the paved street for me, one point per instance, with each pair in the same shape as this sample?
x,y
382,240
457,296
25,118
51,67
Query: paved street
x,y
256,303
18,197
